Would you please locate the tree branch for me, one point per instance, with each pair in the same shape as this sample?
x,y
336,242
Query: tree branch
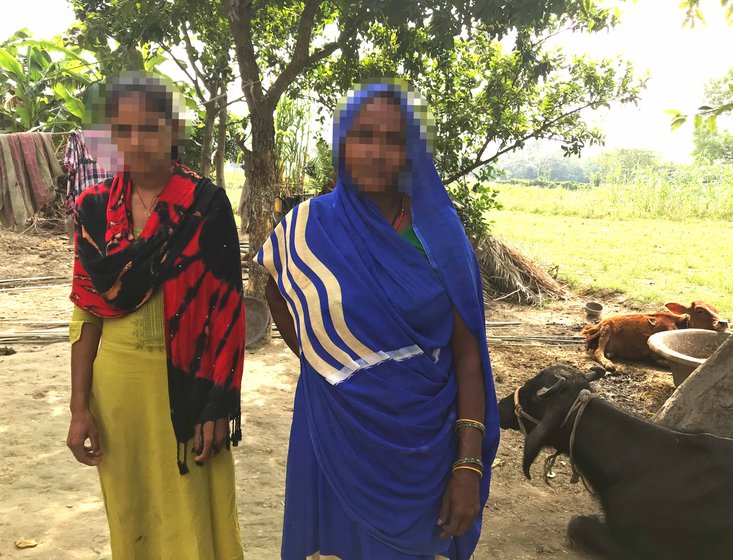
x,y
240,19
497,114
326,51
485,145
300,58
194,79
299,62
190,51
238,99
519,141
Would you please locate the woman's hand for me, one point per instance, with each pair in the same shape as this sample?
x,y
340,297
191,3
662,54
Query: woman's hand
x,y
83,428
461,504
210,438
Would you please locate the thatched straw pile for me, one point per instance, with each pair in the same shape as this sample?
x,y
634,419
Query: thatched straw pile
x,y
508,274
51,219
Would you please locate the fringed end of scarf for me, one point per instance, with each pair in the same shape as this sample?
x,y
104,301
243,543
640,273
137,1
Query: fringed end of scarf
x,y
182,466
235,431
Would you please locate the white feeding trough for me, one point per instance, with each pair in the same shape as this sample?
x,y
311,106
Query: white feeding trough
x,y
686,349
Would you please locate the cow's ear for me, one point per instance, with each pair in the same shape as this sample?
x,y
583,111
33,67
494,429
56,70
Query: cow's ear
x,y
677,308
538,438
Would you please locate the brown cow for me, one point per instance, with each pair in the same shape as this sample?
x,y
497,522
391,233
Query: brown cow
x,y
626,336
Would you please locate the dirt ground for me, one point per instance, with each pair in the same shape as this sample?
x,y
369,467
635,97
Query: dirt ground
x,y
50,498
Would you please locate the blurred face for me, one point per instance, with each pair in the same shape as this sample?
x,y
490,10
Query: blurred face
x,y
143,137
375,150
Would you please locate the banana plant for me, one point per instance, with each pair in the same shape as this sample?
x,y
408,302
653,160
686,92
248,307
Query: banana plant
x,y
292,140
42,83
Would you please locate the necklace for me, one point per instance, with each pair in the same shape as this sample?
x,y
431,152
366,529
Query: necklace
x,y
148,209
400,215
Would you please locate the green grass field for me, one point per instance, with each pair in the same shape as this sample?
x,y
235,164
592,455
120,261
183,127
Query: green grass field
x,y
652,260
598,241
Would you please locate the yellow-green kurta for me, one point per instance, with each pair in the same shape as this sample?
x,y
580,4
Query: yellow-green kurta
x,y
153,512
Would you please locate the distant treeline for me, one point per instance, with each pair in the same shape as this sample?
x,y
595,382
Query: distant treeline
x,y
552,168
695,191
617,166
547,183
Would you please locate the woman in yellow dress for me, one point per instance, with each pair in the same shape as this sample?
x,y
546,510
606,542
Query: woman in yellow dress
x,y
157,339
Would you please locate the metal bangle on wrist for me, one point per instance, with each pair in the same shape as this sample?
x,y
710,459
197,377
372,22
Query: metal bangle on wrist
x,y
466,423
469,463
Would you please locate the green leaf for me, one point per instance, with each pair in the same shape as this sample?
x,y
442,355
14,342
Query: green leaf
x,y
712,123
75,106
25,116
678,122
22,33
38,59
135,58
673,112
60,91
11,65
723,109
56,47
698,121
77,76
155,61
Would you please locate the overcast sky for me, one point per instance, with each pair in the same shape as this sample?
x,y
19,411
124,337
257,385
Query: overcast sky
x,y
680,61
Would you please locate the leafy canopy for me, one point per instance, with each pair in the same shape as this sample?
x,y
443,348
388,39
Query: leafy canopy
x,y
42,83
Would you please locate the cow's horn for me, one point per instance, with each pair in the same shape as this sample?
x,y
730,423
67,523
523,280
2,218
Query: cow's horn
x,y
596,372
547,392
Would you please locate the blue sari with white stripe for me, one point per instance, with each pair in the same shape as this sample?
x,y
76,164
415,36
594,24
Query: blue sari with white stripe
x,y
372,441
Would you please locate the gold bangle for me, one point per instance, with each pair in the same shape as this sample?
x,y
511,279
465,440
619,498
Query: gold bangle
x,y
464,422
480,473
476,462
469,420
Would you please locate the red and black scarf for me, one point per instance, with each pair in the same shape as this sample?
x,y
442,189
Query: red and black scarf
x,y
189,248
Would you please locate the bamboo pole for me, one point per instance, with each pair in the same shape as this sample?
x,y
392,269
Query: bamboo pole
x,y
38,287
48,324
23,338
30,279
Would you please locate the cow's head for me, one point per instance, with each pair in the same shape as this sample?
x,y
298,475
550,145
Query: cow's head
x,y
702,315
546,397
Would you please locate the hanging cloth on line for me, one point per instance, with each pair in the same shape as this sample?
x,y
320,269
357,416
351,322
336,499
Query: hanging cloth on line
x,y
28,173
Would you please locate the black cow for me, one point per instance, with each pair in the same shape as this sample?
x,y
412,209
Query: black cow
x,y
665,494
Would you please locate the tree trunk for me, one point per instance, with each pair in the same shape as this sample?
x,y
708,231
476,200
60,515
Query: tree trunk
x,y
263,191
221,141
243,208
704,402
208,135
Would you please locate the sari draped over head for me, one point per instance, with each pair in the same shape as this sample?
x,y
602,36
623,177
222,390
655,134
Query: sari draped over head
x,y
374,319
189,248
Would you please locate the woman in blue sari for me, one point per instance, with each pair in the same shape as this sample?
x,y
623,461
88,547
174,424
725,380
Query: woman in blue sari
x,y
376,288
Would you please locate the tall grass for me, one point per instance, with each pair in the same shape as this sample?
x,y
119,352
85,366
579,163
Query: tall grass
x,y
675,193
657,234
